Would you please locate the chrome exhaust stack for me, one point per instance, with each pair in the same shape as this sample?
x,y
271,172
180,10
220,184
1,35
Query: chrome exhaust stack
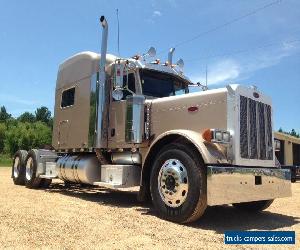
x,y
102,105
170,56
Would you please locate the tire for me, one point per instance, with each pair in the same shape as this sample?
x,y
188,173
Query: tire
x,y
45,183
85,185
180,194
253,206
293,174
31,181
18,167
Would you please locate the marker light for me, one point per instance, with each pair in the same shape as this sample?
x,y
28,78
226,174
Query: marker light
x,y
207,135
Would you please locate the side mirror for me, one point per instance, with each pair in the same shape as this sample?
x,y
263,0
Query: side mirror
x,y
119,75
118,81
117,94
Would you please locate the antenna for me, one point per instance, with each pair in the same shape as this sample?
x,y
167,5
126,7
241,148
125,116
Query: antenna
x,y
206,77
117,12
203,86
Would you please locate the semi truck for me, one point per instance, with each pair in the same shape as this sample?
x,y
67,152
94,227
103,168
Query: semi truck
x,y
131,122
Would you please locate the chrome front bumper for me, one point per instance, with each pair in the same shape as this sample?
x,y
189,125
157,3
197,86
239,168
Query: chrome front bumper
x,y
228,184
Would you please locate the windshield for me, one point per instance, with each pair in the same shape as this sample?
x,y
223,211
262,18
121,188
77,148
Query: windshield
x,y
156,84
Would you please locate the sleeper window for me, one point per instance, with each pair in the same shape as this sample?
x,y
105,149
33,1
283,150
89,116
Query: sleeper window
x,y
68,97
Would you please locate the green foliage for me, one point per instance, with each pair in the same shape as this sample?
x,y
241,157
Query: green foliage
x,y
292,133
5,161
43,114
27,117
26,136
26,132
4,116
3,129
50,123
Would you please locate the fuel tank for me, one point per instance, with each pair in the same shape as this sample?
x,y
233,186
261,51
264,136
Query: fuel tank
x,y
79,169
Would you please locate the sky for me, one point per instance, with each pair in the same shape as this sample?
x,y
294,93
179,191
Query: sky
x,y
238,41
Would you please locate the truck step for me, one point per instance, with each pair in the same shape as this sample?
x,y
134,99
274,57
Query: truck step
x,y
48,176
109,185
119,176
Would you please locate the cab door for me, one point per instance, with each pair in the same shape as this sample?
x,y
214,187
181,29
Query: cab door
x,y
65,100
117,114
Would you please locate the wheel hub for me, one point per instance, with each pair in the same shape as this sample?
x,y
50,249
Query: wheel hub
x,y
170,182
29,169
17,167
173,183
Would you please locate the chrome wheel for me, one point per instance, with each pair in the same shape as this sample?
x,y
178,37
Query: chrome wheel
x,y
16,167
29,169
173,183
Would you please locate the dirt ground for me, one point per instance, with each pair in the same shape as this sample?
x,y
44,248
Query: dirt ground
x,y
61,217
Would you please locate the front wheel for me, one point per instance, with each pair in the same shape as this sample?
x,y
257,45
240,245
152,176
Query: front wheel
x,y
253,206
178,184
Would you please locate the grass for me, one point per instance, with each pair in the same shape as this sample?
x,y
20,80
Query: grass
x,y
5,160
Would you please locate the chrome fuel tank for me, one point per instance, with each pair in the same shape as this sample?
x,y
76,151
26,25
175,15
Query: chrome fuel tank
x,y
79,168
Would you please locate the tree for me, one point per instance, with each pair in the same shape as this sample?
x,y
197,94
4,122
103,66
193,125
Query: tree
x,y
43,114
293,133
2,136
27,117
26,136
4,116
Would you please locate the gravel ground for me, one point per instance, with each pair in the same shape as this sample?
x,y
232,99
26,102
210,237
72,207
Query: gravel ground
x,y
61,217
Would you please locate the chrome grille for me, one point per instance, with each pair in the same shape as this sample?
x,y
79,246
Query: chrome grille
x,y
255,129
262,126
243,127
252,129
269,132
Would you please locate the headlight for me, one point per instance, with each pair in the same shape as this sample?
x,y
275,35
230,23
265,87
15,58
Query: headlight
x,y
216,136
226,137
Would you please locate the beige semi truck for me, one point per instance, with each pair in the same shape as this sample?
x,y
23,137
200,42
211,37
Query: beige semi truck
x,y
127,122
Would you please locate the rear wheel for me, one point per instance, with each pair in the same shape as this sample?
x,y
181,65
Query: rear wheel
x,y
18,167
178,184
31,180
253,206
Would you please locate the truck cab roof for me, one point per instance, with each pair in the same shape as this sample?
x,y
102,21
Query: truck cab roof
x,y
85,64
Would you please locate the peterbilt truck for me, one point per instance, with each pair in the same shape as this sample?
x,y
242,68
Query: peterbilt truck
x,y
127,122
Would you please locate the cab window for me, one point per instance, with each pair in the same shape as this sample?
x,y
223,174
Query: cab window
x,y
130,84
68,98
155,84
